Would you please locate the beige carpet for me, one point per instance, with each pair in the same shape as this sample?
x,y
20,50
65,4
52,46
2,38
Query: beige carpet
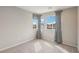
x,y
36,46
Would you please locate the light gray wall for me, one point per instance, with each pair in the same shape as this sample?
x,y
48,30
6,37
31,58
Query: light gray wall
x,y
69,26
44,15
15,26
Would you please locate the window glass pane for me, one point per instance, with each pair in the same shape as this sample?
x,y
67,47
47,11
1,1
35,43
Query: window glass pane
x,y
51,20
35,23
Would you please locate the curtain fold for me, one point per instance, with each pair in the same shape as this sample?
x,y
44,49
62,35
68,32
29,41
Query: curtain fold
x,y
38,33
58,33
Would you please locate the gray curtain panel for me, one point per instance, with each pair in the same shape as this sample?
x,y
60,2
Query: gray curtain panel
x,y
38,33
58,33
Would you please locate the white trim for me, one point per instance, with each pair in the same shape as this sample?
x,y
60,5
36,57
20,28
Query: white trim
x,y
16,44
19,42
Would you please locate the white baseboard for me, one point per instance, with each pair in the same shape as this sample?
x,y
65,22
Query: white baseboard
x,y
73,45
19,42
16,44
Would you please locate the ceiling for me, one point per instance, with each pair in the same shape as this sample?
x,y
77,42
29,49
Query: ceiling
x,y
43,9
